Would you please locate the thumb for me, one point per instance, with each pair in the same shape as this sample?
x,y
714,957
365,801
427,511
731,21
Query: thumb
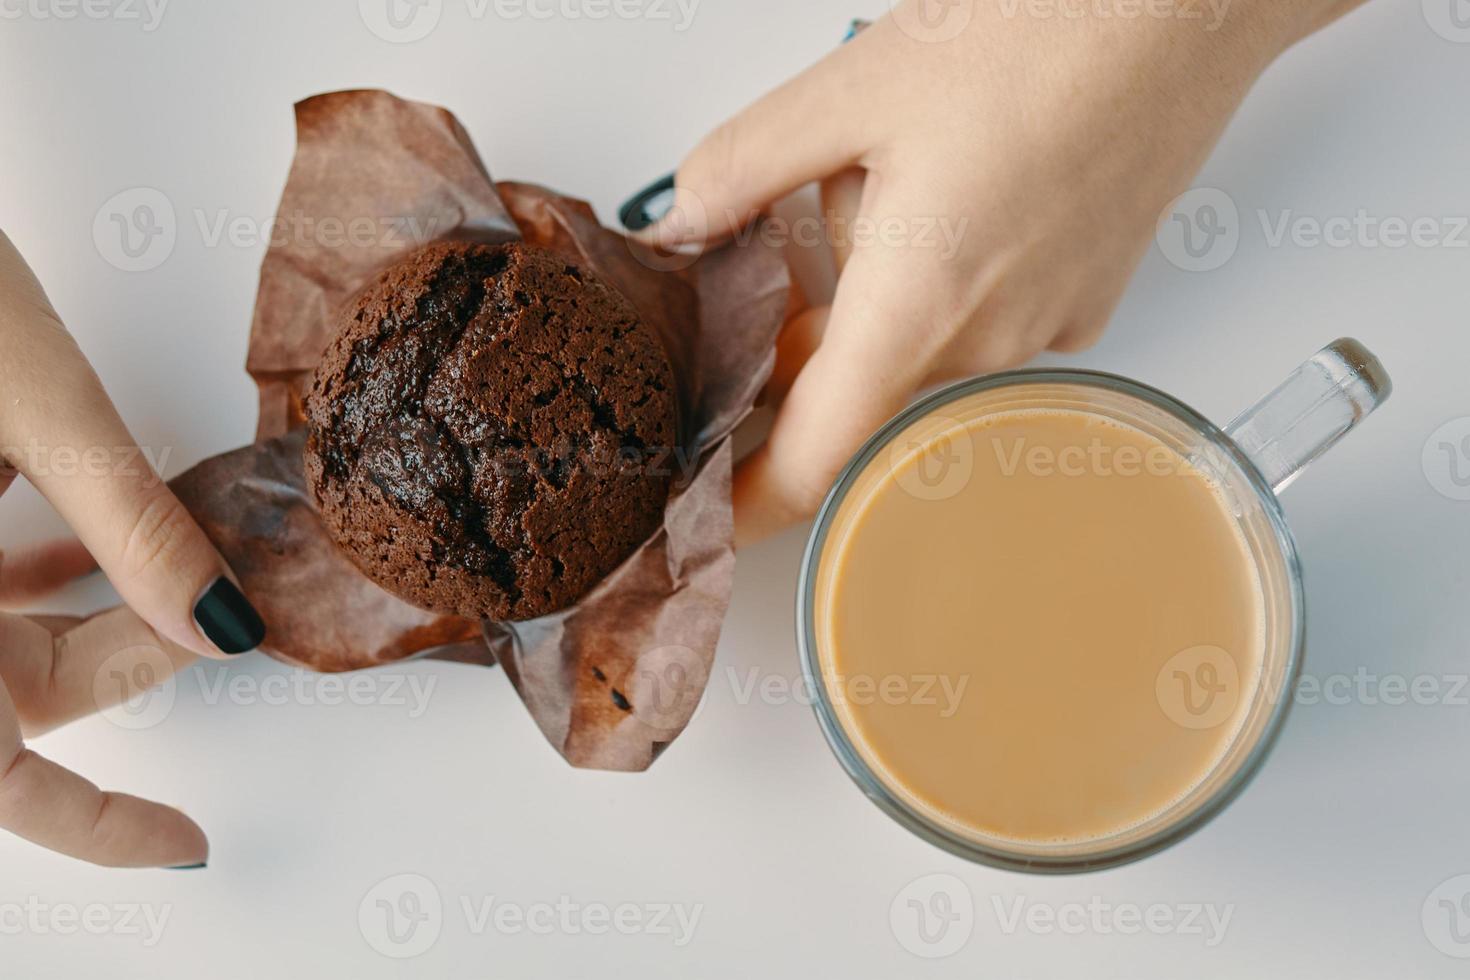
x,y
800,132
59,429
871,359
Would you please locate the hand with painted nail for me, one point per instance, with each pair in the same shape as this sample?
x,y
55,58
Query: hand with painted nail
x,y
59,430
991,177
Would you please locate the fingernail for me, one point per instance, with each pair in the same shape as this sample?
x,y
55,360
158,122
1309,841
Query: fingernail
x,y
648,205
228,619
187,867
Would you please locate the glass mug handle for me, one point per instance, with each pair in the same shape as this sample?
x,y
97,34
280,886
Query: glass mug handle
x,y
1332,392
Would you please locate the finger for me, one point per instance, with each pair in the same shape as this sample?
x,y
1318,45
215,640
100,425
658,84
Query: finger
x,y
27,574
871,359
842,199
56,625
798,341
799,132
59,810
94,665
59,428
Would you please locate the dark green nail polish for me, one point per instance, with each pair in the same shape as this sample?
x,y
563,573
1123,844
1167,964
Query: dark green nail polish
x,y
228,619
648,205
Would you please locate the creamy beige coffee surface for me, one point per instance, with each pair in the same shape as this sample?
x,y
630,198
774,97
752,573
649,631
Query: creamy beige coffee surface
x,y
1040,626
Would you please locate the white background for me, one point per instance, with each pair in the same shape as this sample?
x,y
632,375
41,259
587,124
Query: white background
x,y
1327,861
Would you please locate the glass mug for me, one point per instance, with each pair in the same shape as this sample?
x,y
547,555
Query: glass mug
x,y
1249,461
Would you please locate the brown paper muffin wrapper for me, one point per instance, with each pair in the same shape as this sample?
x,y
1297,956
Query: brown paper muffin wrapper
x,y
615,678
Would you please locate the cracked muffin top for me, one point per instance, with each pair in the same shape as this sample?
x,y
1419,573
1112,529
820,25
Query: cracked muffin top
x,y
490,432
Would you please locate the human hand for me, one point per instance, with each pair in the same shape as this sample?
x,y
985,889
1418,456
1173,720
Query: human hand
x,y
59,429
986,197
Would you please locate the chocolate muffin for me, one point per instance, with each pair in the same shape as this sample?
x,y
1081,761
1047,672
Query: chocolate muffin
x,y
489,433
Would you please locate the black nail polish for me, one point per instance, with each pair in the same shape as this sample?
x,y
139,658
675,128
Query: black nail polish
x,y
228,619
648,205
187,867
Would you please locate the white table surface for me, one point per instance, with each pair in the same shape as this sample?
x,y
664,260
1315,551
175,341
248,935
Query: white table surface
x,y
1332,864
